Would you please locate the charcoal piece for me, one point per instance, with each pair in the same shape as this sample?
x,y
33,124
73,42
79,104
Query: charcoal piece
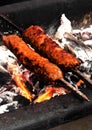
x,y
22,100
4,78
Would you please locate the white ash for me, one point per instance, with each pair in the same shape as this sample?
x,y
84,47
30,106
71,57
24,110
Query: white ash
x,y
65,26
5,54
8,89
87,67
7,102
81,52
88,42
83,34
6,107
7,99
8,92
8,96
1,100
82,30
68,77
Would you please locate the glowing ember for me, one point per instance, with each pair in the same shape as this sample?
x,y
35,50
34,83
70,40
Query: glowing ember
x,y
79,83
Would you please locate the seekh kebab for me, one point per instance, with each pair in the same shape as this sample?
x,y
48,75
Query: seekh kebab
x,y
44,45
38,64
32,60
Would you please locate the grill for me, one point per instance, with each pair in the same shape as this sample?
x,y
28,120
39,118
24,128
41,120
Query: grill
x,y
61,109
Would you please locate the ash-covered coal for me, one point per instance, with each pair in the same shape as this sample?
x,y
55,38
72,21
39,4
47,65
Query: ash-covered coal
x,y
7,95
4,77
10,94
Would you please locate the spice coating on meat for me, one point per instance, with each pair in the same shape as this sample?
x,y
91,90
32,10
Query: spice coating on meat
x,y
32,60
44,45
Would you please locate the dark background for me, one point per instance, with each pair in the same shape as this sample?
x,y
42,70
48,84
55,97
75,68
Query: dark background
x,y
3,2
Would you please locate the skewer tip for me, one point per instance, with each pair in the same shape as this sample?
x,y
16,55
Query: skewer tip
x,y
75,90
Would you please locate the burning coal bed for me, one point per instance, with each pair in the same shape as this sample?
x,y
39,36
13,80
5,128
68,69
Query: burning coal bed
x,y
14,77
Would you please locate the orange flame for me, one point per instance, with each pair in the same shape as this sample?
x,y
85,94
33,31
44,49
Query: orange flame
x,y
79,83
52,91
14,70
21,85
49,93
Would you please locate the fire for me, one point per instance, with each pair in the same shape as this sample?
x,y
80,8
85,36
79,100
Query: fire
x,y
14,69
53,91
50,92
25,92
79,83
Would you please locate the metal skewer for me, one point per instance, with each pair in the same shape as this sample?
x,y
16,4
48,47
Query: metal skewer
x,y
11,23
74,89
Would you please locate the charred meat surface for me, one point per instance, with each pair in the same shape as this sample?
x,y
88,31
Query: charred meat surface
x,y
32,60
39,65
43,44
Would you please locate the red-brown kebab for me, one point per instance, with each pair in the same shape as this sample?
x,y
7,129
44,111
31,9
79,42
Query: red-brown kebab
x,y
44,45
32,60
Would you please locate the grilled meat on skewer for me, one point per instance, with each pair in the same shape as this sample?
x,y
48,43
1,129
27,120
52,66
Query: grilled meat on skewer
x,y
44,45
64,19
47,47
32,60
